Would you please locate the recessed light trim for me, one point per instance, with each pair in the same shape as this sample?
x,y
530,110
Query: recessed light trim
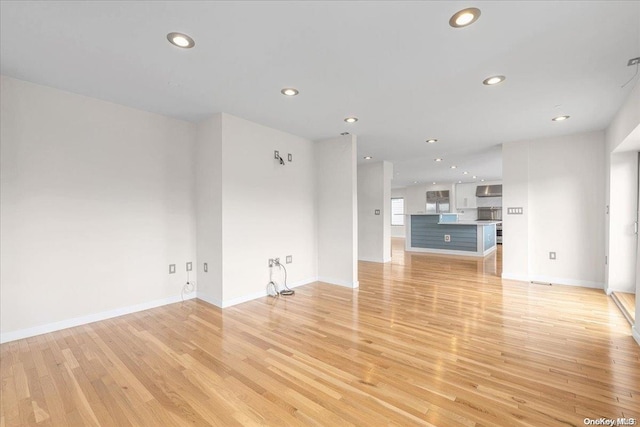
x,y
434,183
181,40
351,119
465,173
289,91
493,80
464,17
437,160
459,182
482,180
474,177
368,157
453,167
432,140
560,118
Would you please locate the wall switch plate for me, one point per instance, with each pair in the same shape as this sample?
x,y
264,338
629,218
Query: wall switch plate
x,y
552,255
447,237
206,267
514,211
189,266
172,268
289,259
290,157
276,155
377,212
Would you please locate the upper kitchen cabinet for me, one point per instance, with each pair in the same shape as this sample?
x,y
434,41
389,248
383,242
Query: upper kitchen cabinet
x,y
466,196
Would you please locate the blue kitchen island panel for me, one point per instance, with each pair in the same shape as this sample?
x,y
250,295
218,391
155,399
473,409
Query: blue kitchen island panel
x,y
427,232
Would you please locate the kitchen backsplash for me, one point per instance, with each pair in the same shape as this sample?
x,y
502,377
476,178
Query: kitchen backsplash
x,y
489,202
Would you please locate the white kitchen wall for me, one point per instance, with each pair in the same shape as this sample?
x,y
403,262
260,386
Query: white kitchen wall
x,y
565,213
208,165
337,210
96,202
268,209
399,230
374,194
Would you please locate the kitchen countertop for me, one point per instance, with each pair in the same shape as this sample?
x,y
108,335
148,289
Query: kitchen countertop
x,y
471,223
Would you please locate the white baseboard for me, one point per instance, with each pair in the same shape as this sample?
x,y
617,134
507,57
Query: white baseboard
x,y
554,280
249,297
378,260
567,282
339,282
518,277
90,318
635,333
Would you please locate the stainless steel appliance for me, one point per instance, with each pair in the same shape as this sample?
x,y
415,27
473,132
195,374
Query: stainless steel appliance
x,y
490,213
438,202
489,190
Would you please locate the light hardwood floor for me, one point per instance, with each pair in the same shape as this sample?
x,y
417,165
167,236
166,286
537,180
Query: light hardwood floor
x,y
426,340
628,303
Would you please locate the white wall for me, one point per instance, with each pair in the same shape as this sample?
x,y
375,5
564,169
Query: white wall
x,y
208,165
374,194
96,202
268,209
337,210
515,193
623,193
565,213
399,230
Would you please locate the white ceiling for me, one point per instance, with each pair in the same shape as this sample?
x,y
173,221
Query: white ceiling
x,y
398,66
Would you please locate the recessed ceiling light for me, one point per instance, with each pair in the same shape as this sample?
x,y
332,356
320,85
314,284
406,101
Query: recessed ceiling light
x,y
459,182
437,160
351,119
464,17
289,91
482,180
465,173
560,118
453,166
434,183
415,182
368,157
474,177
493,80
181,40
431,141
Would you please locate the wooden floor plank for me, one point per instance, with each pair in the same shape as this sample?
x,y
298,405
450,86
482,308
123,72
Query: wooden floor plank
x,y
426,340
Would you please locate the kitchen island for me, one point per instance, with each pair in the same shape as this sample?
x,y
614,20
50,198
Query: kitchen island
x,y
445,234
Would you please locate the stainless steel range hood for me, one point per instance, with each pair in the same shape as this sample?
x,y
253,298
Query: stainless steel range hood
x,y
489,191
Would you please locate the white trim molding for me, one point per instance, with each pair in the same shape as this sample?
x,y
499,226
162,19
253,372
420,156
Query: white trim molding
x,y
635,333
339,282
90,318
249,297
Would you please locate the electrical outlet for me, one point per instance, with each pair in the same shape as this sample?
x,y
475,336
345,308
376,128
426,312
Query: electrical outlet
x,y
270,262
189,266
206,267
172,268
276,155
377,211
447,237
276,261
289,259
552,255
290,157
